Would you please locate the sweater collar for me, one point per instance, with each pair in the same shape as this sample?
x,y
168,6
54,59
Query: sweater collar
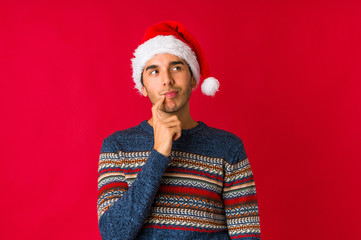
x,y
148,128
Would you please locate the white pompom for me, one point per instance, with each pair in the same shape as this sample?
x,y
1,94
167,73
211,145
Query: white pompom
x,y
210,86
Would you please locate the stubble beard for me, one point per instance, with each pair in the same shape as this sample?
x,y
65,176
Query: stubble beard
x,y
186,96
174,110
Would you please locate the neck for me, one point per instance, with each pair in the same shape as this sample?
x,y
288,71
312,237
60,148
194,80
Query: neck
x,y
183,115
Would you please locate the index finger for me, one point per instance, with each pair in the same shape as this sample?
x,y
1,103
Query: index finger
x,y
156,107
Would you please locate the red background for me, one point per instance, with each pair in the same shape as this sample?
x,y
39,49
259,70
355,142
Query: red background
x,y
290,88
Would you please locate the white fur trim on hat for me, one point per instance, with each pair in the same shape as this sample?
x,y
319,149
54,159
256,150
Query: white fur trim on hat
x,y
162,44
210,86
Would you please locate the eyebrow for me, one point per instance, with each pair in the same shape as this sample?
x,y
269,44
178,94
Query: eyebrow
x,y
171,64
176,63
151,67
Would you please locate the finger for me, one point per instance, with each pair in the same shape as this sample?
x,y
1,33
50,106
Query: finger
x,y
172,124
173,118
155,108
177,134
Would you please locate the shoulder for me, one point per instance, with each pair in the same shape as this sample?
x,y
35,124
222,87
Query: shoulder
x,y
221,134
126,140
231,145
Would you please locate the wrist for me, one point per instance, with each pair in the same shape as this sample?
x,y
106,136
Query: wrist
x,y
164,152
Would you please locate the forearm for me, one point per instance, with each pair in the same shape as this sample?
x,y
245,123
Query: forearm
x,y
126,216
240,200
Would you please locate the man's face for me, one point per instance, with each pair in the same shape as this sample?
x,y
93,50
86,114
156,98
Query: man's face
x,y
168,75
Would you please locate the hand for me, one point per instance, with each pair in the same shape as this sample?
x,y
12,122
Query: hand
x,y
165,129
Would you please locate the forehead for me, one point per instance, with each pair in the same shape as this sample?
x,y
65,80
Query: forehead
x,y
163,59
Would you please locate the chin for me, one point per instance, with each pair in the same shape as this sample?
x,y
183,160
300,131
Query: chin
x,y
167,110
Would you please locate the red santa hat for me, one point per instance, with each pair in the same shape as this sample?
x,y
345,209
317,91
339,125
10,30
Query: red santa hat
x,y
173,38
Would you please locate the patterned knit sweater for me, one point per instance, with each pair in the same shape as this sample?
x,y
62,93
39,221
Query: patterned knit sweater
x,y
204,190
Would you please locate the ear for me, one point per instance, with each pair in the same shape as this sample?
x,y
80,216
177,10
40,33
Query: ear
x,y
144,91
193,82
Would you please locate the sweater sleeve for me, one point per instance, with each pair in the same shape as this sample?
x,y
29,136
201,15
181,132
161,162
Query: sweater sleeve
x,y
122,210
240,200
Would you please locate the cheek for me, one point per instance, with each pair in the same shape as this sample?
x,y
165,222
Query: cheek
x,y
153,83
152,93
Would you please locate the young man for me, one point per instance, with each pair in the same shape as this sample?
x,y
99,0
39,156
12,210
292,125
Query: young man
x,y
171,177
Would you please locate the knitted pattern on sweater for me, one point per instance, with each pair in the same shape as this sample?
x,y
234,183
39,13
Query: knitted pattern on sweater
x,y
204,190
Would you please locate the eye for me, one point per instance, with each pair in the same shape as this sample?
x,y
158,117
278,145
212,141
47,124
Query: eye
x,y
153,72
176,68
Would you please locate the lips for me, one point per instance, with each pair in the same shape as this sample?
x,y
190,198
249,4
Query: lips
x,y
170,94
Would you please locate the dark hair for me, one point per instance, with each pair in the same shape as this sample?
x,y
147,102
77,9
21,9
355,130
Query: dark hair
x,y
141,76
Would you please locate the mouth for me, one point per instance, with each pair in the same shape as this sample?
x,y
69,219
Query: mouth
x,y
170,94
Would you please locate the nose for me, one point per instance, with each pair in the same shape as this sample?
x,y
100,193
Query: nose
x,y
167,79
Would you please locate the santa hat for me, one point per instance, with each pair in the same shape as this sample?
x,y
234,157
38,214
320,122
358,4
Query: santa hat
x,y
172,37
